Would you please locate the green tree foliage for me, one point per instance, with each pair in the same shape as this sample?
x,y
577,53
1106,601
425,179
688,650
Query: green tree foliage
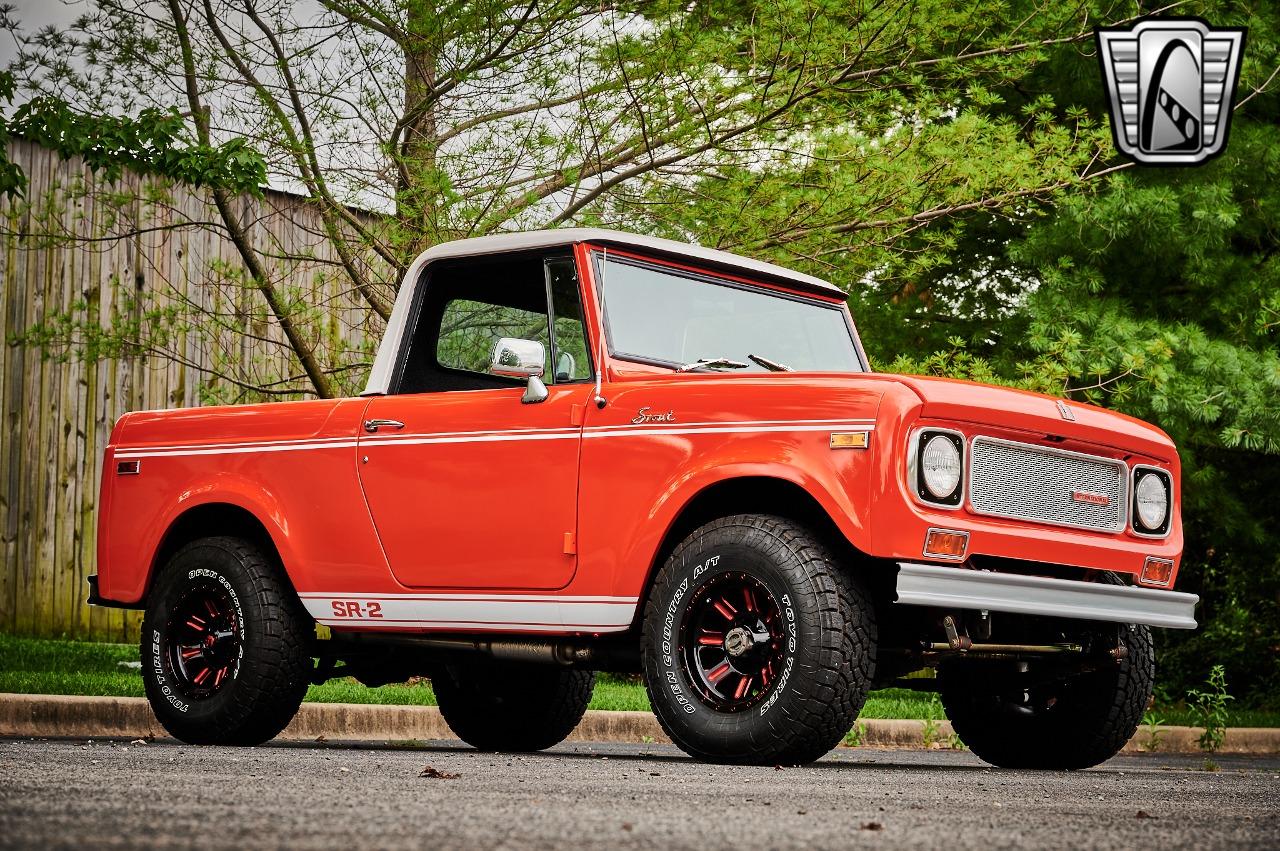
x,y
1155,292
12,181
155,142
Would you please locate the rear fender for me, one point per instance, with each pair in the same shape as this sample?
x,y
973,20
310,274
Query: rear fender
x,y
174,525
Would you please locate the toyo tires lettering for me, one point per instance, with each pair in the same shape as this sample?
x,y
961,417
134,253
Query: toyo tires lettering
x,y
789,613
158,671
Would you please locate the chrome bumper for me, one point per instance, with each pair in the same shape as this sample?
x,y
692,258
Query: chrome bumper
x,y
958,588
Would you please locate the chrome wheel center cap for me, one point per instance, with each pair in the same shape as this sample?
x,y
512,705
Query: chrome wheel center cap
x,y
738,641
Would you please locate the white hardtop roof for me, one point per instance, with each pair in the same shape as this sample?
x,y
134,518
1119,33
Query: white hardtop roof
x,y
535,239
505,243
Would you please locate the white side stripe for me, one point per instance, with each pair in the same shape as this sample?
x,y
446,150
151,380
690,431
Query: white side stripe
x,y
467,595
245,444
469,626
724,423
727,430
417,440
595,432
473,611
140,452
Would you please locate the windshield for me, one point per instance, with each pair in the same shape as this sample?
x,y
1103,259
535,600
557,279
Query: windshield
x,y
663,315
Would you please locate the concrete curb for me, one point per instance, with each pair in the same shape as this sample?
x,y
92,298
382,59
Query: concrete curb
x,y
73,717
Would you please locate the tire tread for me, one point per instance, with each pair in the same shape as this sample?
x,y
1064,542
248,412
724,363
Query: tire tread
x,y
271,686
838,687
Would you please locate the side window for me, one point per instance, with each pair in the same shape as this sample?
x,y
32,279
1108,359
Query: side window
x,y
470,329
468,306
572,363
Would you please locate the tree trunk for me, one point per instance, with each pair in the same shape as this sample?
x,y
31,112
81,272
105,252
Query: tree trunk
x,y
417,197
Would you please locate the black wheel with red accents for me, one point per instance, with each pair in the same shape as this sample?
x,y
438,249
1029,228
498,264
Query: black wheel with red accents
x,y
204,643
226,645
733,641
758,648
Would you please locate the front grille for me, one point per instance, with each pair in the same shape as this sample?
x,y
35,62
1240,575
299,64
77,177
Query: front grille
x,y
1028,482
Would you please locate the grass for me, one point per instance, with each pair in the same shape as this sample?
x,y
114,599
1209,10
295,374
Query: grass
x,y
50,666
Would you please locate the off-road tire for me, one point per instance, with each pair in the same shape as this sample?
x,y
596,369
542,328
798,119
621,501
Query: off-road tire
x,y
511,707
829,654
1091,720
266,687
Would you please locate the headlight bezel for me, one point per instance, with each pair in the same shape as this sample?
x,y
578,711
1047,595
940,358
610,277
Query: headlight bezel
x,y
1136,524
919,440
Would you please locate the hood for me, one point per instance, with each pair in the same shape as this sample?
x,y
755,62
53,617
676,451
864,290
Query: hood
x,y
967,401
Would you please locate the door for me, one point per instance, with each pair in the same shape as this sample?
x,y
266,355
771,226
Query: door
x,y
468,486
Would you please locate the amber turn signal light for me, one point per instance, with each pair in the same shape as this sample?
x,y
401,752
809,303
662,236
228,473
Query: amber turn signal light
x,y
849,440
127,468
1157,571
946,543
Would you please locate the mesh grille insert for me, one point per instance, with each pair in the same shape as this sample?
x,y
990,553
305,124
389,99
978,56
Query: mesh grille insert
x,y
1028,482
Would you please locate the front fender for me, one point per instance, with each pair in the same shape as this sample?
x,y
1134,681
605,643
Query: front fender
x,y
829,489
637,477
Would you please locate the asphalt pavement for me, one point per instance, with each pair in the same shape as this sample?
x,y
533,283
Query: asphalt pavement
x,y
76,794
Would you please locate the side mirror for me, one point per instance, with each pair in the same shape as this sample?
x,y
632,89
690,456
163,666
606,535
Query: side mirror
x,y
516,358
535,391
566,367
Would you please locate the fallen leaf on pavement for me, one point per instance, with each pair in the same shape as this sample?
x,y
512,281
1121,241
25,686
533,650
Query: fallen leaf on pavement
x,y
872,825
437,774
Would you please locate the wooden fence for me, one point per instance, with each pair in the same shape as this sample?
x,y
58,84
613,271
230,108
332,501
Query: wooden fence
x,y
78,250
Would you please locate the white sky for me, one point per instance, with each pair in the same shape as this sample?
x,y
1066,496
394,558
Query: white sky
x,y
35,14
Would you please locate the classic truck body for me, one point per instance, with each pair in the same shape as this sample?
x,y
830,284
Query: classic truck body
x,y
612,486
416,521
452,502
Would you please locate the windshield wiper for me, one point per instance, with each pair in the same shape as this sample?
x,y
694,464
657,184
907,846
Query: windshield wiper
x,y
771,365
712,363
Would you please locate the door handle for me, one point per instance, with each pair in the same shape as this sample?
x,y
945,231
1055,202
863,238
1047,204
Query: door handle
x,y
372,426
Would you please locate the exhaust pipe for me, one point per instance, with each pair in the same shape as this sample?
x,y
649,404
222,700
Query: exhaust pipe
x,y
565,653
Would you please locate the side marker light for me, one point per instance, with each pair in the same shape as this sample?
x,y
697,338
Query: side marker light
x,y
1157,571
850,440
946,543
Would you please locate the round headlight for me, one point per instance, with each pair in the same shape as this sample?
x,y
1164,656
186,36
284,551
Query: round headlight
x,y
1151,500
940,466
